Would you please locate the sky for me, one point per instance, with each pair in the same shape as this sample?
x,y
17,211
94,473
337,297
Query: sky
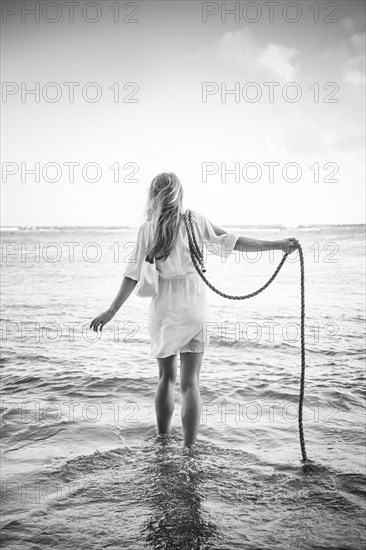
x,y
259,112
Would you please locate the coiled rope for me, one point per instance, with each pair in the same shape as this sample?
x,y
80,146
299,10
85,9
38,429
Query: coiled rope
x,y
197,259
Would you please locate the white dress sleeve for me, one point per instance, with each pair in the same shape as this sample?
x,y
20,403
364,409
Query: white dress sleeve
x,y
134,262
221,245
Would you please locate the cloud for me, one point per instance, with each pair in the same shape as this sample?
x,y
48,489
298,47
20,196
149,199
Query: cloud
x,y
240,48
278,59
237,47
348,23
354,67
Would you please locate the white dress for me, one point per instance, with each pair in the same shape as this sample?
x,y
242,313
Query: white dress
x,y
179,313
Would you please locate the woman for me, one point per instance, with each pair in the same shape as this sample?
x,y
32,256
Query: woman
x,y
177,315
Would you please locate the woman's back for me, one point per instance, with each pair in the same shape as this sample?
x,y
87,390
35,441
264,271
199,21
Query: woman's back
x,y
179,263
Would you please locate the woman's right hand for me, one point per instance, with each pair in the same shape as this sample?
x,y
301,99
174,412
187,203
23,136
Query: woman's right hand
x,y
102,320
288,245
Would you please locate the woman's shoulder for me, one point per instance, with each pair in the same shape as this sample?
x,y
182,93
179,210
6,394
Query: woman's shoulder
x,y
142,226
196,215
198,218
142,230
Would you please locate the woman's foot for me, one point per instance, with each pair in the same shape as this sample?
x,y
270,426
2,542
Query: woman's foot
x,y
189,450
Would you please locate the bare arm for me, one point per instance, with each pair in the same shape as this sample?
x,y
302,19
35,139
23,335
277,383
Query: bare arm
x,y
124,292
252,245
246,244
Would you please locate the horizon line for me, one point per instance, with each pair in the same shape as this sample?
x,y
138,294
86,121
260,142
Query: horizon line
x,y
137,226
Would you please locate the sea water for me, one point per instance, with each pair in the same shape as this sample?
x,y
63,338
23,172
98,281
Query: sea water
x,y
82,466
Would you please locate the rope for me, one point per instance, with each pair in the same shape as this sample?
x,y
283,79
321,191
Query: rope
x,y
197,259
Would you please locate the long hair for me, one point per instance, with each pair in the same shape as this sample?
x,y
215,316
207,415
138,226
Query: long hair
x,y
164,209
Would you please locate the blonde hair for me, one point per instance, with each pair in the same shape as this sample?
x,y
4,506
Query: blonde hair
x,y
164,209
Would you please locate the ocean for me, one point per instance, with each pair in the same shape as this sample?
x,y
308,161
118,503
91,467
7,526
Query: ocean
x,y
82,466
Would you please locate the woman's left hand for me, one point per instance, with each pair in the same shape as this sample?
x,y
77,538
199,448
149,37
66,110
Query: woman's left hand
x,y
288,245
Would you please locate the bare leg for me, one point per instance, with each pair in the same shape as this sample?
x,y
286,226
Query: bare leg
x,y
164,398
190,366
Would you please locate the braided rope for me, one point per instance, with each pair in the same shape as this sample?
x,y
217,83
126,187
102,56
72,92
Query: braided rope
x,y
197,259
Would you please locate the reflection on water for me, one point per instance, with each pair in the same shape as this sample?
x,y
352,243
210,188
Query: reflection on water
x,y
175,494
